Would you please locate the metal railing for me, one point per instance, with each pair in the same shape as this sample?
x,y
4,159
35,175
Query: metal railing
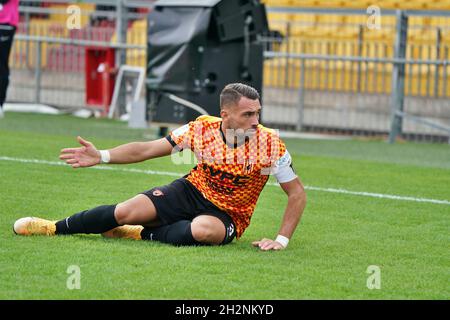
x,y
317,79
342,83
40,41
48,58
334,99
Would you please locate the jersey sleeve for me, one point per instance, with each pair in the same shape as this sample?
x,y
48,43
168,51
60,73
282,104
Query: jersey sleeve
x,y
282,169
182,137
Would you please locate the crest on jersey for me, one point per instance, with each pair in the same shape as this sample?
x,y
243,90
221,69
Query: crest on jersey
x,y
158,193
248,166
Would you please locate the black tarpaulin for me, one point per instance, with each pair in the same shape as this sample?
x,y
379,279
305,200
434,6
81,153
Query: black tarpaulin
x,y
175,35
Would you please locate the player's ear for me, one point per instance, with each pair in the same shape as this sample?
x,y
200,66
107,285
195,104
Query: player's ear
x,y
224,113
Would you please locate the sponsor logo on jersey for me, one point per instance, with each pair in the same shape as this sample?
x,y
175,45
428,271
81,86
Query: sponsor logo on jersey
x,y
236,180
248,166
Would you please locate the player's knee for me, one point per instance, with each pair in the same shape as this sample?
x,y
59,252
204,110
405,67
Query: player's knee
x,y
122,214
206,233
201,233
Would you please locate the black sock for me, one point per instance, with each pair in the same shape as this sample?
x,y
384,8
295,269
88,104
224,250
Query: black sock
x,y
178,233
96,220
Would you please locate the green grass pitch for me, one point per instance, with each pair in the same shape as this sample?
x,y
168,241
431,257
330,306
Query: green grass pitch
x,y
339,237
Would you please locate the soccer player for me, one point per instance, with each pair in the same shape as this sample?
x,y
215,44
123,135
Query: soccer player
x,y
211,205
9,19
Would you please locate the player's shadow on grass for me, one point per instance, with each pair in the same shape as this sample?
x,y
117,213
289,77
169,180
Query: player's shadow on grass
x,y
123,242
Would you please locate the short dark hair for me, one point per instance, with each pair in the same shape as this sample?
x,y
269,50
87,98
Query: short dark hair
x,y
233,92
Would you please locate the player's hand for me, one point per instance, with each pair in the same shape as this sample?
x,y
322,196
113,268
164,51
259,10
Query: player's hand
x,y
85,156
268,244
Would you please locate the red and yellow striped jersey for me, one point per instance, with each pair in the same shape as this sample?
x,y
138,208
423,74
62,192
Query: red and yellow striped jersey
x,y
231,177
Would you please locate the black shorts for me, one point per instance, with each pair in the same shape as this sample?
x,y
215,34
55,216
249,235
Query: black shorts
x,y
180,200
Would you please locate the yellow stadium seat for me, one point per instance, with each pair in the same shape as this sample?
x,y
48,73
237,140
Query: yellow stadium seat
x,y
388,21
360,4
44,28
331,19
349,33
327,34
422,36
277,16
446,37
279,3
442,22
419,80
326,26
416,4
383,34
344,49
136,35
332,3
438,5
423,22
357,20
422,52
304,18
391,4
305,3
278,21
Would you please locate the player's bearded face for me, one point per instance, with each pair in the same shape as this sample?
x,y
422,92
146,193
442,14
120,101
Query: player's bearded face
x,y
243,118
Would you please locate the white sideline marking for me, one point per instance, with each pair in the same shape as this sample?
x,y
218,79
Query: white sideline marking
x,y
174,174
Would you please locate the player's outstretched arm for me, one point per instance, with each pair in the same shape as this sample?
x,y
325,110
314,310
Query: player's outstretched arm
x,y
88,155
294,210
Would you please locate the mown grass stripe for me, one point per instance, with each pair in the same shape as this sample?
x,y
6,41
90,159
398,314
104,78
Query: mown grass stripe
x,y
175,174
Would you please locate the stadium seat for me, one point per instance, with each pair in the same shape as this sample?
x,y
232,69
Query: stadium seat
x,y
417,4
137,34
279,3
278,21
360,4
338,35
331,3
45,28
438,5
306,3
278,17
384,35
389,21
309,33
422,37
391,4
446,37
357,20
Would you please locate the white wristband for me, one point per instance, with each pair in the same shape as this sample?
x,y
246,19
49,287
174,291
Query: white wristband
x,y
105,157
283,240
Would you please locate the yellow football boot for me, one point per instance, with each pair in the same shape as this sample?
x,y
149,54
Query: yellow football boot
x,y
125,231
34,226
